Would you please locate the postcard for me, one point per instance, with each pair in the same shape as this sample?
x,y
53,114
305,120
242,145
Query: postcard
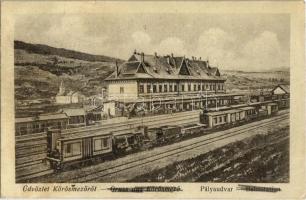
x,y
143,99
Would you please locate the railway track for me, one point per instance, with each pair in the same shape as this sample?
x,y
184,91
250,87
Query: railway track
x,y
31,150
94,173
151,122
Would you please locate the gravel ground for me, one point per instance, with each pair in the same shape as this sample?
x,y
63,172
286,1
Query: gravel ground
x,y
266,161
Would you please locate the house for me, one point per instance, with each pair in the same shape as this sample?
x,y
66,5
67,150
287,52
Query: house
x,y
76,116
281,89
68,97
144,76
93,114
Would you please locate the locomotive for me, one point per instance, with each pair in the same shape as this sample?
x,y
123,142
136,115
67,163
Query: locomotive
x,y
87,146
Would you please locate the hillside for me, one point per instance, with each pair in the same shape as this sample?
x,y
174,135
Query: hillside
x,y
240,80
47,50
39,70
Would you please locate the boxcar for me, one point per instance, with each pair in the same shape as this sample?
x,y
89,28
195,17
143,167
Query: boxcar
x,y
190,129
170,133
83,146
163,134
249,112
222,118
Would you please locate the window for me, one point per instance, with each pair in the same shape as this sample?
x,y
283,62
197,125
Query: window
x,y
35,128
210,88
81,119
23,130
199,87
224,119
194,87
214,87
160,88
165,88
121,90
43,126
148,88
189,87
183,88
170,88
68,151
203,87
141,89
98,145
220,119
73,149
105,142
175,88
154,88
98,117
75,120
215,119
101,144
218,87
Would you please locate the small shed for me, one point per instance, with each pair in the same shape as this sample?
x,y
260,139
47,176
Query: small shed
x,y
77,116
281,89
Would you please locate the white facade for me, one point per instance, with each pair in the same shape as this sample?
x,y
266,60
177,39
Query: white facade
x,y
122,89
69,98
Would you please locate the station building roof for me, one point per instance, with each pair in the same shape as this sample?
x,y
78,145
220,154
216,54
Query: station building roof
x,y
143,66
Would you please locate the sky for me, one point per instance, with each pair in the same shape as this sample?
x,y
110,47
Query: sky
x,y
248,42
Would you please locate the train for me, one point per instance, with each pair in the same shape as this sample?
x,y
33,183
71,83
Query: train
x,y
88,146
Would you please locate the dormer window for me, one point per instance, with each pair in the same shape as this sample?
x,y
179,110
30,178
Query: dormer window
x,y
155,69
198,72
168,70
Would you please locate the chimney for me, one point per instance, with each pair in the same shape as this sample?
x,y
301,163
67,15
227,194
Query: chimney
x,y
142,57
172,55
155,54
135,52
168,60
200,58
192,57
117,69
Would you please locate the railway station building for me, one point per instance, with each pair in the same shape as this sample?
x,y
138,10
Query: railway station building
x,y
171,82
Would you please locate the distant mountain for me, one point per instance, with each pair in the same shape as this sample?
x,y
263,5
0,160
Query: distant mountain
x,y
245,80
47,50
39,69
